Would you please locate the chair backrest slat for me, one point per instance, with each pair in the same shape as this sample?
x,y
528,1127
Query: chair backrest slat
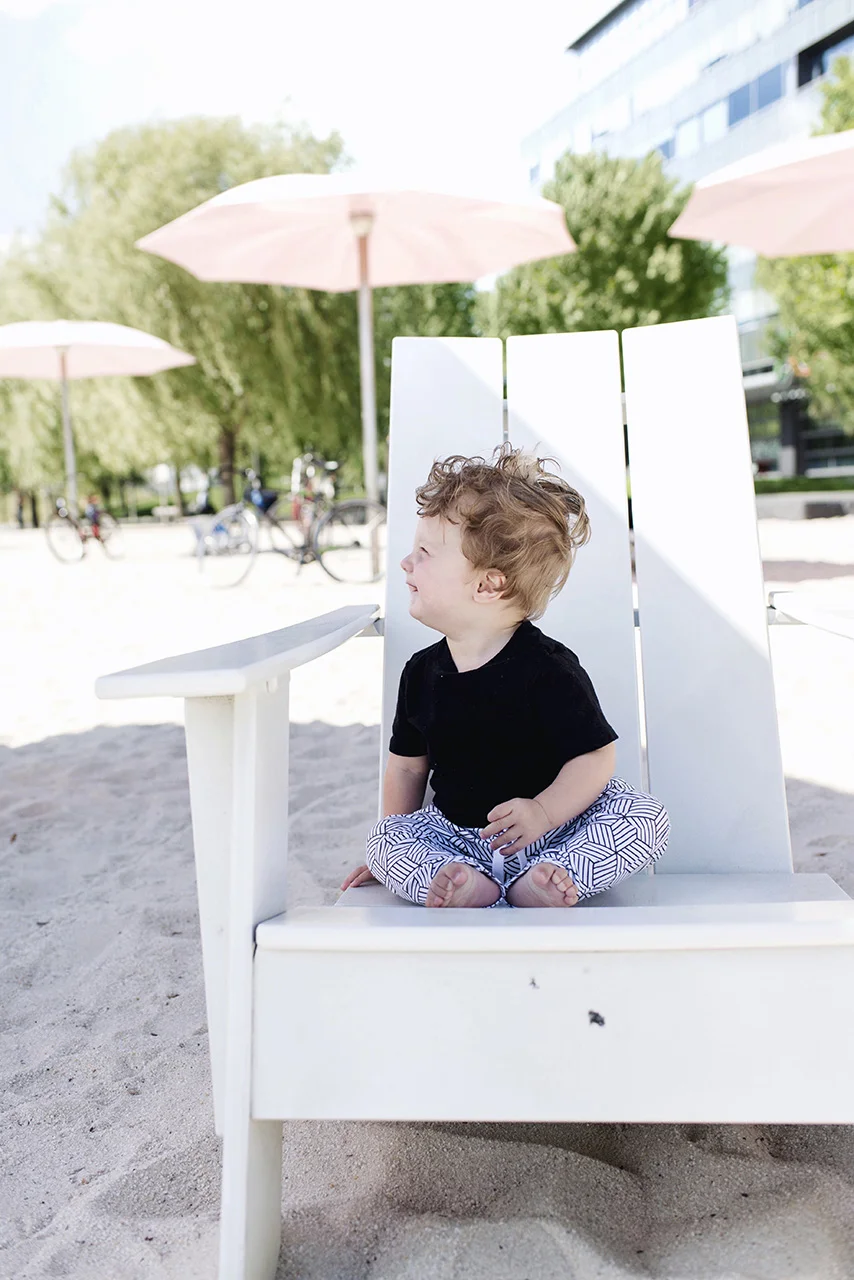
x,y
713,742
563,394
446,398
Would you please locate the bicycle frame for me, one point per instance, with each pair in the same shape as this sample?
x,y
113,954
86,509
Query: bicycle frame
x,y
302,552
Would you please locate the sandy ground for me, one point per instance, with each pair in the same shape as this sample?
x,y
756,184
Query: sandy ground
x,y
110,1166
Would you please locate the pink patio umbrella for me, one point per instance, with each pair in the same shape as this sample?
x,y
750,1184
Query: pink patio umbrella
x,y
789,200
339,232
67,349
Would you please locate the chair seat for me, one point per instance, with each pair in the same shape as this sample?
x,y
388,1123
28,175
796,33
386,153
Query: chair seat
x,y
647,913
666,891
663,1000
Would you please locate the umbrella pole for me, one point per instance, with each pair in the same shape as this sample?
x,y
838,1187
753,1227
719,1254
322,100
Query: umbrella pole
x,y
367,375
68,439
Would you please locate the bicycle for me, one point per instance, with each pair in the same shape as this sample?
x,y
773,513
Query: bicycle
x,y
68,535
347,539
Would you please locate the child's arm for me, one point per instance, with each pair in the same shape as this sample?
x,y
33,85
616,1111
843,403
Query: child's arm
x,y
517,823
404,784
577,785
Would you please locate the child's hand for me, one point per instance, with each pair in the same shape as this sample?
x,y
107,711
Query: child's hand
x,y
361,875
514,825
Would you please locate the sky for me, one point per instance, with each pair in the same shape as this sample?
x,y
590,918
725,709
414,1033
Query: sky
x,y
443,90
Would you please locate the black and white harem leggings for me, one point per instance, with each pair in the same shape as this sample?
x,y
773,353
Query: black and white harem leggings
x,y
622,832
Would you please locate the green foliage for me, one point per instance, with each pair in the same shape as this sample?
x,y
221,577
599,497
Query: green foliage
x,y
815,294
802,484
277,369
427,311
626,272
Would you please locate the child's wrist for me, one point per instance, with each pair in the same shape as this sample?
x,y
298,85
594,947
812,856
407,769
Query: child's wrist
x,y
544,812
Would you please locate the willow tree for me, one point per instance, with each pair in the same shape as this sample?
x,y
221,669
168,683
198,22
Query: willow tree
x,y
266,357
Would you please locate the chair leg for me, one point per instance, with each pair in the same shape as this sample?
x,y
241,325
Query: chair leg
x,y
251,1214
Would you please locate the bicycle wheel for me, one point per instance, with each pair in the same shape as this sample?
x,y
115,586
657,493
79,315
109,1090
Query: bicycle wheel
x,y
64,540
227,550
283,532
350,541
110,536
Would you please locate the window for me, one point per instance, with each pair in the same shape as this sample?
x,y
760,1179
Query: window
x,y
844,49
666,149
534,174
738,105
628,29
769,87
714,121
582,137
818,59
688,137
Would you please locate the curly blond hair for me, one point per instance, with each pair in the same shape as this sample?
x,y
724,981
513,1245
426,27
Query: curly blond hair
x,y
514,516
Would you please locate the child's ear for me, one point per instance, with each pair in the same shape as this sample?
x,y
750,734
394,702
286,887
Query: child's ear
x,y
490,586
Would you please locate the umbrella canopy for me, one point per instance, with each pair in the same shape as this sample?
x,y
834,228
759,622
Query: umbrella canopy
x,y
789,200
66,349
298,229
340,232
92,349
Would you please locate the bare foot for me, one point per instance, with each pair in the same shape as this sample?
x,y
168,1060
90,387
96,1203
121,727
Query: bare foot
x,y
459,885
545,885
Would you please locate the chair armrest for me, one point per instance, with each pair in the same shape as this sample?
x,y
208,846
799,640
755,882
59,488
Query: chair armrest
x,y
234,668
815,610
374,630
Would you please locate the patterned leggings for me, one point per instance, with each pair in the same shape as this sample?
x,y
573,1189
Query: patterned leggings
x,y
622,832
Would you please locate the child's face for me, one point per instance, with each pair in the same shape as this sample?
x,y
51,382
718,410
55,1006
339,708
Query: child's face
x,y
445,590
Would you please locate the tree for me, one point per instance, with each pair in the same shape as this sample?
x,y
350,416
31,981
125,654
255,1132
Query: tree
x,y
246,338
815,295
278,369
626,271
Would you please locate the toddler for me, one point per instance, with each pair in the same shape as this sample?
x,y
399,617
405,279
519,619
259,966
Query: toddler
x,y
503,720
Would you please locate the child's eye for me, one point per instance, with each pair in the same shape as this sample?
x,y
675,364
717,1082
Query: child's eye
x,y
424,549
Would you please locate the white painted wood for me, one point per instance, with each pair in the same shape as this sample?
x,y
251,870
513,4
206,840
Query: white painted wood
x,y
833,613
252,1150
564,402
710,926
713,743
241,665
729,990
742,1034
209,727
446,398
251,1202
655,891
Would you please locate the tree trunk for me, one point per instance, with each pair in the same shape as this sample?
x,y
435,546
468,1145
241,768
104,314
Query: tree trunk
x,y
179,493
227,442
34,508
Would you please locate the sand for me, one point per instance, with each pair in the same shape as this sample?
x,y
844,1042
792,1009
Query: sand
x,y
110,1166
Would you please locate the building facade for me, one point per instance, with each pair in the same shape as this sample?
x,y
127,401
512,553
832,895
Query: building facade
x,y
705,83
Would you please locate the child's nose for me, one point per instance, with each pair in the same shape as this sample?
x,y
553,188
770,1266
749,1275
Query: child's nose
x,y
406,564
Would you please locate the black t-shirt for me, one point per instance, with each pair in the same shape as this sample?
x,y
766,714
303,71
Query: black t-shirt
x,y
503,730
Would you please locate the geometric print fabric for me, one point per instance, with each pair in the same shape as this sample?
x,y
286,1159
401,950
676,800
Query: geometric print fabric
x,y
623,831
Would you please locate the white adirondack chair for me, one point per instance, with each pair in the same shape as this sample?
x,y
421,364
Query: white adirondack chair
x,y
720,989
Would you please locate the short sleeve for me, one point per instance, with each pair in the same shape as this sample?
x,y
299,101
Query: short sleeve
x,y
573,721
406,739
